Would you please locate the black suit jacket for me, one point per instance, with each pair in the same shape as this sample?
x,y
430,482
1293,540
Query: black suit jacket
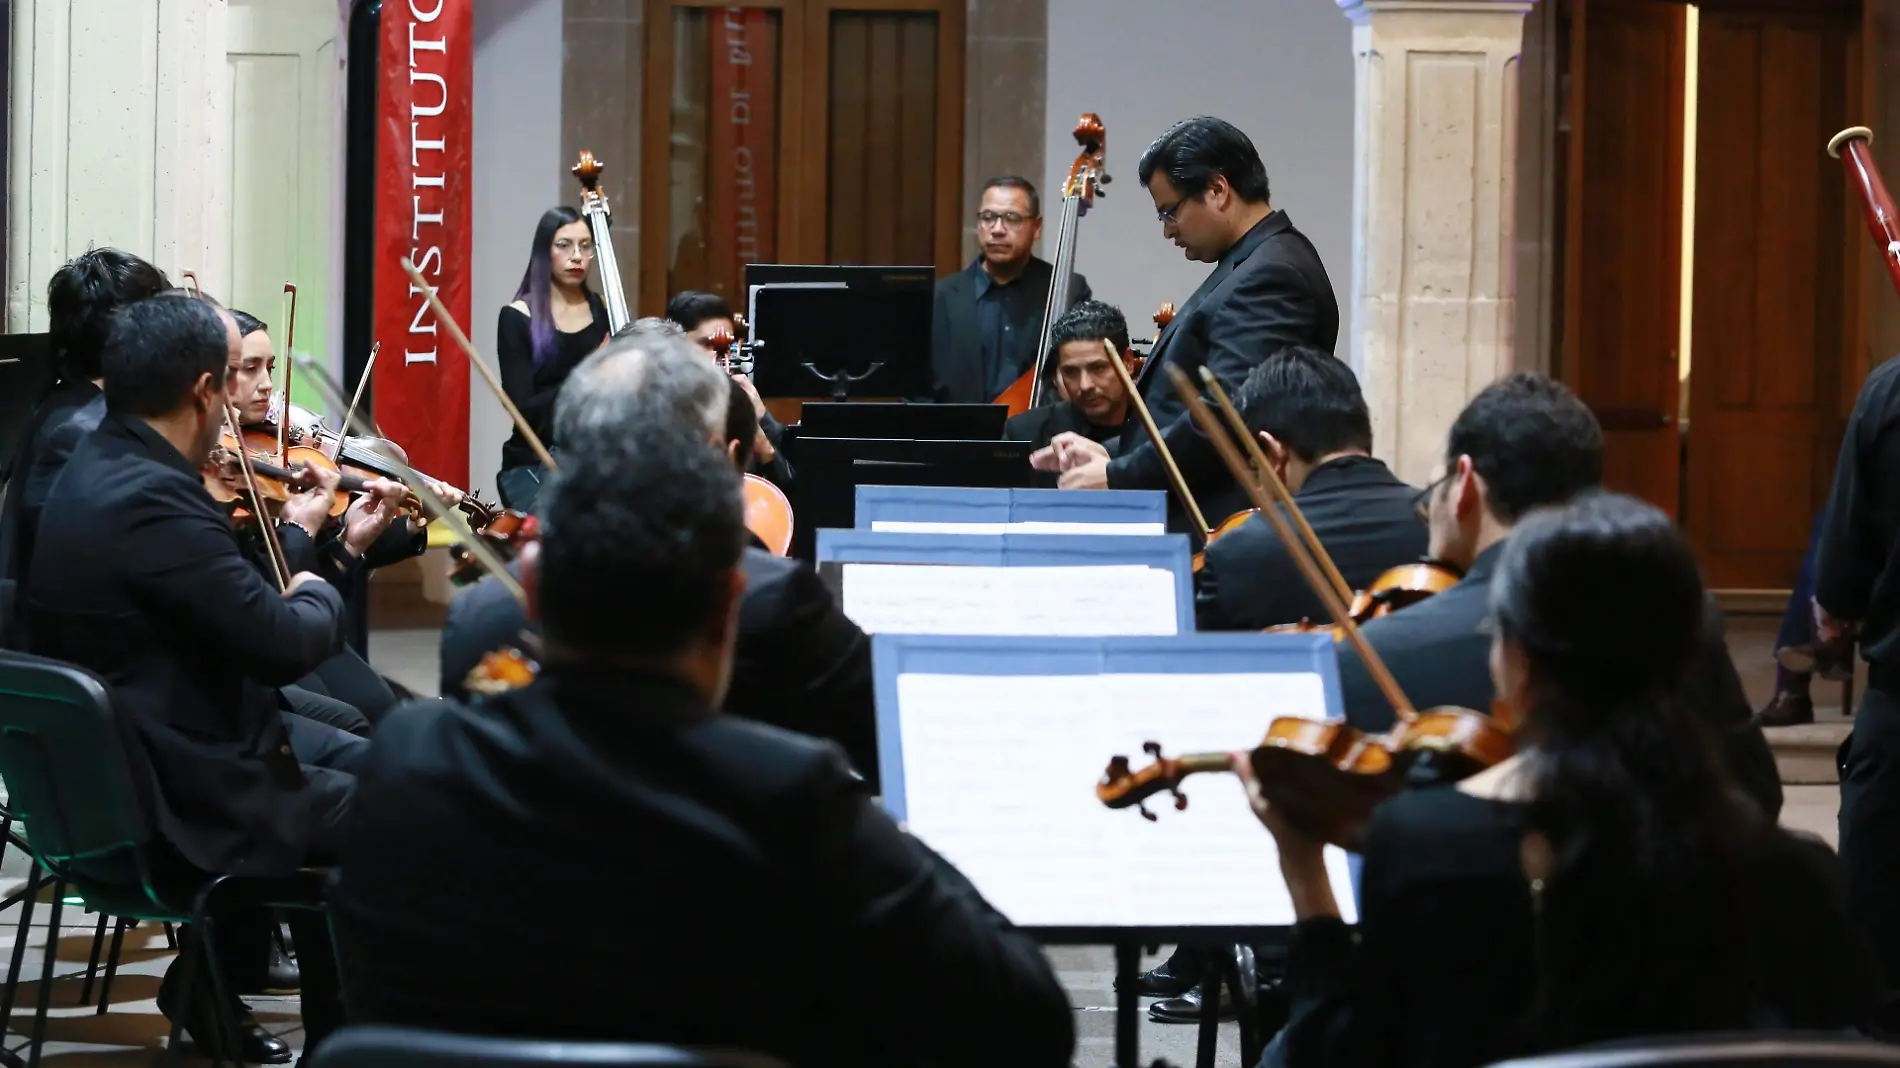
x,y
47,439
800,664
1269,291
1364,518
1439,651
760,900
956,346
137,576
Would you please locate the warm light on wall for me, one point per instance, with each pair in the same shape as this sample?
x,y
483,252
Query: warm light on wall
x,y
1686,295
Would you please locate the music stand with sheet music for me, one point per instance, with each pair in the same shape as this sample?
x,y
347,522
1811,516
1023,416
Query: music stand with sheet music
x,y
972,732
967,510
1118,596
830,470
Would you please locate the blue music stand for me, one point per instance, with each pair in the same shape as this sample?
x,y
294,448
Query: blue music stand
x,y
956,504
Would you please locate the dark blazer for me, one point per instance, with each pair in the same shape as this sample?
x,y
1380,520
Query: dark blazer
x,y
137,576
50,428
956,345
761,900
1439,651
1269,291
800,664
1364,518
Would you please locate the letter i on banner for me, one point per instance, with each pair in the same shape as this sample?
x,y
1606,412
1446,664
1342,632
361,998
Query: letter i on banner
x,y
743,155
422,212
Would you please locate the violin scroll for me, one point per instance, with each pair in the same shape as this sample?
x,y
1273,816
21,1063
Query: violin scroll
x,y
1123,787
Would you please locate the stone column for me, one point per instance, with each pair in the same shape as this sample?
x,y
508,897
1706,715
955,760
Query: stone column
x,y
118,134
1435,139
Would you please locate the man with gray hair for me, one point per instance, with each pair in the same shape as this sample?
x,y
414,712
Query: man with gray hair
x,y
799,662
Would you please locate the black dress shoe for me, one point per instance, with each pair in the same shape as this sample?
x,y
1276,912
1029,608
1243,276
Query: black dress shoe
x,y
255,1044
1186,1009
1786,709
284,976
1832,660
1159,982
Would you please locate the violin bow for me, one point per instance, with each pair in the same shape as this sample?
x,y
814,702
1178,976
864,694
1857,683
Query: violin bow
x,y
290,347
191,284
357,398
1154,435
450,518
1295,547
1272,477
442,315
272,547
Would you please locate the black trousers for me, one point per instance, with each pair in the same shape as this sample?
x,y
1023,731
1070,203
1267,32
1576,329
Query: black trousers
x,y
312,705
348,678
1870,820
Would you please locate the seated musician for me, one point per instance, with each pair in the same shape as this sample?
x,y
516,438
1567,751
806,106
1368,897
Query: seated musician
x,y
1522,443
80,302
718,841
136,576
1609,881
702,316
1312,421
1094,402
987,318
344,691
799,663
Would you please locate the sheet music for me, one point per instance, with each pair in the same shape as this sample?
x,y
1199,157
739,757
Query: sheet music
x,y
903,526
1000,773
1083,601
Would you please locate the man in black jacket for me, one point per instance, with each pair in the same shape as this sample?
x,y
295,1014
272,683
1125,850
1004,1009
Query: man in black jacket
x,y
136,576
1523,442
716,838
1313,425
987,317
1094,403
1268,290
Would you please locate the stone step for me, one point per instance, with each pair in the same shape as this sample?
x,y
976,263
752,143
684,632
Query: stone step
x,y
1805,754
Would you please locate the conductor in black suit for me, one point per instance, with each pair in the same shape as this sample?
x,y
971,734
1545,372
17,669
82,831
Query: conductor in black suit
x,y
716,839
1267,290
988,316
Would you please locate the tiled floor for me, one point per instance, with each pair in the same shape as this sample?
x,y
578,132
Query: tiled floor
x,y
132,1033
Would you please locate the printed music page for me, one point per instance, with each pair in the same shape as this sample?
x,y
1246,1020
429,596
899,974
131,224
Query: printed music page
x,y
1087,601
1000,774
904,526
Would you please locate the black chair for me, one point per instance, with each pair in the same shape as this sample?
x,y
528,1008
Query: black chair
x,y
1793,1049
406,1047
70,783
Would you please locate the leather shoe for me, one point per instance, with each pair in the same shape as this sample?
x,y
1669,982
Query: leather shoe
x,y
1832,660
255,1044
1159,982
1786,709
1186,1009
284,976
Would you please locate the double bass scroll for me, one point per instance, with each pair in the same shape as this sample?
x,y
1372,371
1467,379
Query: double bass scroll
x,y
600,221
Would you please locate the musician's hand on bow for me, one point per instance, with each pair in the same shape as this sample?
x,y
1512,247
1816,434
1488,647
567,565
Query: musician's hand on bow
x,y
1066,450
1090,473
309,507
372,513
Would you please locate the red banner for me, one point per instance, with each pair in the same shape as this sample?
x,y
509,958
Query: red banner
x,y
742,153
422,211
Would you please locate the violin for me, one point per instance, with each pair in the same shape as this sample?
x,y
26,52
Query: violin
x,y
500,671
1396,588
364,456
224,479
504,535
1163,316
1326,776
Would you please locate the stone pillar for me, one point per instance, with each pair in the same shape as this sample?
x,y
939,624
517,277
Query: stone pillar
x,y
1434,212
118,134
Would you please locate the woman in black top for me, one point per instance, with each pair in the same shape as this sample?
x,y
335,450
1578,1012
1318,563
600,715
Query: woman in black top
x,y
554,323
1607,882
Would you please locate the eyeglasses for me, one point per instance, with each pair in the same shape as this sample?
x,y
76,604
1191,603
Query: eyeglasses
x,y
1009,219
1422,502
1172,213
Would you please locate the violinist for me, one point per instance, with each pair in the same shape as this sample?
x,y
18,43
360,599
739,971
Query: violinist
x,y
1267,290
1314,426
554,322
1094,403
1609,881
800,663
986,317
136,575
704,316
81,300
1522,443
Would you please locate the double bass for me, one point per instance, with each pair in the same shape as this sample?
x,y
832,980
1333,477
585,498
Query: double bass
x,y
600,222
1086,177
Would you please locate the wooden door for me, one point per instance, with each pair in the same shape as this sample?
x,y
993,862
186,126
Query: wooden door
x,y
1622,234
1770,304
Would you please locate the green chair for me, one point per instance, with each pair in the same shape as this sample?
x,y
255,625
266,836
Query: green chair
x,y
63,760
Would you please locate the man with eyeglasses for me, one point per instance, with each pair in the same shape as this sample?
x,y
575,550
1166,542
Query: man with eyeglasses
x,y
988,316
1268,290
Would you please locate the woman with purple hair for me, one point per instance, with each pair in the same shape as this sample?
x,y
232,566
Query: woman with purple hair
x,y
555,322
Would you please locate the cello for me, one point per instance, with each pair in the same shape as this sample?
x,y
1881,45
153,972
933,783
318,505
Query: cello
x,y
1086,177
600,222
768,513
1326,776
